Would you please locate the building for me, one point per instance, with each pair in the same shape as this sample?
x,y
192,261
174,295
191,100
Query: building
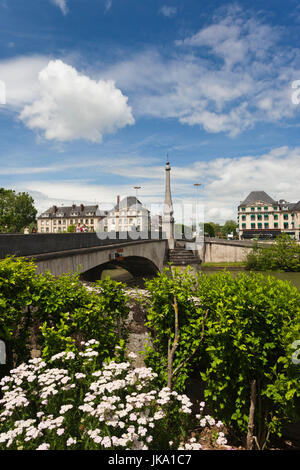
x,y
261,216
127,215
58,219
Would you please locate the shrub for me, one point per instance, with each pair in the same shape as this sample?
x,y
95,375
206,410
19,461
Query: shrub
x,y
251,324
17,288
249,317
283,254
61,310
160,321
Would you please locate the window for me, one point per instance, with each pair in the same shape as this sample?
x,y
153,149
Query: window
x,y
243,208
243,225
266,217
275,217
243,217
266,225
266,208
252,225
54,222
286,216
259,217
259,208
286,225
259,225
252,209
86,221
252,217
275,225
275,208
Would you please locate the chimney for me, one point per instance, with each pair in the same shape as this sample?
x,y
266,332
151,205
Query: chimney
x,y
118,200
81,207
54,209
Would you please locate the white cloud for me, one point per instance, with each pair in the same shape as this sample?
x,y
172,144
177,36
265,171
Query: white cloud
x,y
20,77
224,78
225,182
72,106
168,11
62,4
108,5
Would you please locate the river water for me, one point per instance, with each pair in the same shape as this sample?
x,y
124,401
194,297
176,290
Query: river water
x,y
293,278
122,275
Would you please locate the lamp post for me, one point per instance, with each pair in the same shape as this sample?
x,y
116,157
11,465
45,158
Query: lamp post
x,y
196,185
136,195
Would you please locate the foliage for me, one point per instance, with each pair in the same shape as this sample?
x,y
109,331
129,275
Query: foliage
x,y
209,229
71,228
230,226
71,402
160,321
245,341
17,288
281,255
61,310
251,324
16,210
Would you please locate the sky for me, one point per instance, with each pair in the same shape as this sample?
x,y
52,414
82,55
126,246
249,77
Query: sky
x,y
95,95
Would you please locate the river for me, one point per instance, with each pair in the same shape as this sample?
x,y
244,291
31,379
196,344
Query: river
x,y
292,277
120,274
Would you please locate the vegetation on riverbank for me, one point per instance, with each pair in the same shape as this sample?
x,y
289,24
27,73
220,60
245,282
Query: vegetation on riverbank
x,y
282,255
224,264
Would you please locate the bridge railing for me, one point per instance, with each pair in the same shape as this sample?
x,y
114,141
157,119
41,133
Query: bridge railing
x,y
39,243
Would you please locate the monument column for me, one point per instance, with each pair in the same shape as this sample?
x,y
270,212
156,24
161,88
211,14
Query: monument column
x,y
168,219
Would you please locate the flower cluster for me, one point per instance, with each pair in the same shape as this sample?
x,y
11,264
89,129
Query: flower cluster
x,y
208,421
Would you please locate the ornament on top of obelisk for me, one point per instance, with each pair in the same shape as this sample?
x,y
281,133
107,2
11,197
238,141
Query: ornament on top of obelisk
x,y
168,219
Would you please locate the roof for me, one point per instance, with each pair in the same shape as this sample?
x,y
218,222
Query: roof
x,y
258,196
127,202
68,211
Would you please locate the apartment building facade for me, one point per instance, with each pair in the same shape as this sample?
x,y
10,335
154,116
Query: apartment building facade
x,y
127,215
259,215
58,219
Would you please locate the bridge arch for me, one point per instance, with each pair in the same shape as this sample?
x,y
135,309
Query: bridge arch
x,y
137,266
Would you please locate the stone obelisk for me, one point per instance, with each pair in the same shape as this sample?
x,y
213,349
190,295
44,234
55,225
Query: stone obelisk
x,y
168,219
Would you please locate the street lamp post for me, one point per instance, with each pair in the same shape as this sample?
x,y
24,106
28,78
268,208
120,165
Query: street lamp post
x,y
136,195
196,185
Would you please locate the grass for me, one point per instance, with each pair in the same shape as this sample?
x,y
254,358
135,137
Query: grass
x,y
224,264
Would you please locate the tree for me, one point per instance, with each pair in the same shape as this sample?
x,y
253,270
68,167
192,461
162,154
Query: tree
x,y
230,226
71,228
16,210
209,229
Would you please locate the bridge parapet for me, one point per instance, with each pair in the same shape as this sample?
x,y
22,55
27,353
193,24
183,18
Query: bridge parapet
x,y
40,243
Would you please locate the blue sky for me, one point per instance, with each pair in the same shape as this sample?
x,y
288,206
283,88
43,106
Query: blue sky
x,y
99,91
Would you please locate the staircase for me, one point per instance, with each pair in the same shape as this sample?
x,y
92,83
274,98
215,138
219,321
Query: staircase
x,y
179,256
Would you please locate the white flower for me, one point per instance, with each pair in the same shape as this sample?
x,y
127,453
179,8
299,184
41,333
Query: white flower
x,y
71,441
44,446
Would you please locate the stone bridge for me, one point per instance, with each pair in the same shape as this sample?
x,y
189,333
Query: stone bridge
x,y
86,253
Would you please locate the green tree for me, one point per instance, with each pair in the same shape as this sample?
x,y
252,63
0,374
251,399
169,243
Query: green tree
x,y
209,228
71,228
16,210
